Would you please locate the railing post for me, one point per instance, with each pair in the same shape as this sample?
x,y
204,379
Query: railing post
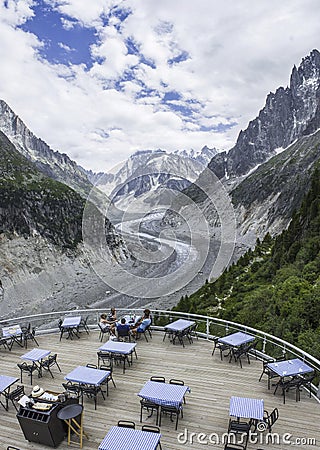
x,y
208,328
264,344
284,351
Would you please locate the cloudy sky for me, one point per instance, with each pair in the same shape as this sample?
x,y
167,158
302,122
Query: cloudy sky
x,y
101,79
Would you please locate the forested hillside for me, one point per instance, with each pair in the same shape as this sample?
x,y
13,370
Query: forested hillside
x,y
276,286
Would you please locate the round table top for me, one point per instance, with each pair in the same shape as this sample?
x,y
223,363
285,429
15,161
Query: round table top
x,y
70,411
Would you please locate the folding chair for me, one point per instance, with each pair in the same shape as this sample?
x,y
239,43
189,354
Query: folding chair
x,y
103,331
108,368
220,346
271,418
47,363
172,411
15,395
84,325
92,391
27,368
150,407
267,371
158,379
28,334
73,389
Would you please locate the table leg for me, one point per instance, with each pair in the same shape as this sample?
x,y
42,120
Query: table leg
x,y
6,405
70,333
39,367
18,340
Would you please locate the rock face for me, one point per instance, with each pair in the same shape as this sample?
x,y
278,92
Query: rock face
x,y
41,233
266,200
55,165
38,277
287,115
31,203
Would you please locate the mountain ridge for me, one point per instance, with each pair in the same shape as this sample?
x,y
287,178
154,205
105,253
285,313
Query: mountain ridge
x,y
54,164
148,170
284,118
289,117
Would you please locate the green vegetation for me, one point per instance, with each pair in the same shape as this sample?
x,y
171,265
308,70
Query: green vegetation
x,y
32,203
276,286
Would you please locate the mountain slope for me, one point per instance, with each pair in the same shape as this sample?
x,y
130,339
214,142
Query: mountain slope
x,y
43,265
266,172
276,287
31,203
53,164
266,199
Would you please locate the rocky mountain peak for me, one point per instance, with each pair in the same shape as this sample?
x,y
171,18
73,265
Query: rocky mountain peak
x,y
288,114
53,164
308,69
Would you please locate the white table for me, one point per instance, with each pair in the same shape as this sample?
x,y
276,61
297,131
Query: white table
x,y
71,322
71,325
5,383
130,320
165,394
290,368
119,438
87,375
36,355
89,381
236,343
236,339
125,348
120,348
247,408
12,333
178,329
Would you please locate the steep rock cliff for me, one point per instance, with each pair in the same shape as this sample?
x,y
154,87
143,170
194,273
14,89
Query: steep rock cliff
x,y
55,165
288,114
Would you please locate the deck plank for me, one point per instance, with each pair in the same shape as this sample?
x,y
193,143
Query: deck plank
x,y
211,380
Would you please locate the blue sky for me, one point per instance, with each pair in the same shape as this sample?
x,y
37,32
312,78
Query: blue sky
x,y
60,44
100,80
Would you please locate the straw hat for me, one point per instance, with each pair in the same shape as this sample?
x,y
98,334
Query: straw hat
x,y
37,391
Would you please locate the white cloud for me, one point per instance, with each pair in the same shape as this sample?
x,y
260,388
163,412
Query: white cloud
x,y
65,47
67,24
15,12
115,57
235,54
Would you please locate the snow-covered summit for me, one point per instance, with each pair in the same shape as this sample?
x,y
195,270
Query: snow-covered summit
x,y
147,170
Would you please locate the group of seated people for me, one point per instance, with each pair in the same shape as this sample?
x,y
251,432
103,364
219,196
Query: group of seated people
x,y
121,328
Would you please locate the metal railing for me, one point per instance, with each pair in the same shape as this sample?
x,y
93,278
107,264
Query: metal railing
x,y
207,328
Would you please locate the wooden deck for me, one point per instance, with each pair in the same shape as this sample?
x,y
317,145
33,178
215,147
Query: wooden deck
x,y
212,382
